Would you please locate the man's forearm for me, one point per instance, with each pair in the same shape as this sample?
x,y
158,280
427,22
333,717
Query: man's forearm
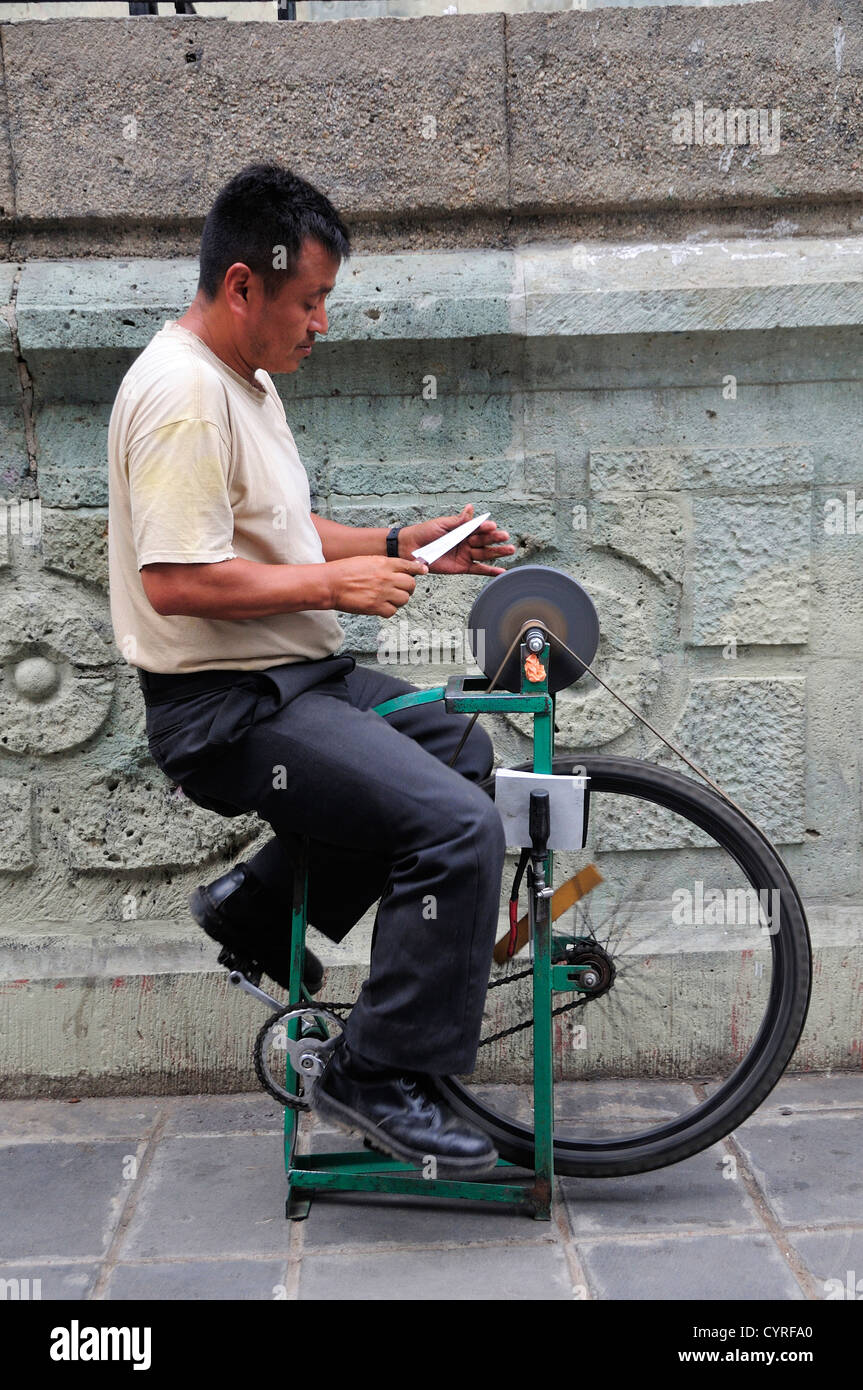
x,y
340,542
236,589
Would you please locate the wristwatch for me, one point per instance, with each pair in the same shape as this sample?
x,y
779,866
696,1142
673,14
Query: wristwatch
x,y
393,542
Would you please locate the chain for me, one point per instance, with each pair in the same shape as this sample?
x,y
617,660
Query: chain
x,y
317,1004
337,1009
510,979
519,1027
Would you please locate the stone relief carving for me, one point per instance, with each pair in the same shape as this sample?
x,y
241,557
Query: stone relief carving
x,y
103,807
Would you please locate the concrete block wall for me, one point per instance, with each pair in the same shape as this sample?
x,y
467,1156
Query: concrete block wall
x,y
672,419
242,11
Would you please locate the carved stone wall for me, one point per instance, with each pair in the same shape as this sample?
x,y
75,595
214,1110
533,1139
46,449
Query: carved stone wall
x,y
642,357
690,477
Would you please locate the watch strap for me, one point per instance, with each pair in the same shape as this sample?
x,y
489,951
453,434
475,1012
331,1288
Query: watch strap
x,y
393,542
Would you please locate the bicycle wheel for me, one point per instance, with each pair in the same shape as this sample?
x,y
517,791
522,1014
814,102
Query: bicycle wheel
x,y
698,922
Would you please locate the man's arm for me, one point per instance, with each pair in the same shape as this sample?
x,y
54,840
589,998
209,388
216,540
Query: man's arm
x,y
474,555
340,542
236,589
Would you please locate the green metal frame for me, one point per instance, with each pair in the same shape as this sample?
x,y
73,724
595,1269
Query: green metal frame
x,y
350,1171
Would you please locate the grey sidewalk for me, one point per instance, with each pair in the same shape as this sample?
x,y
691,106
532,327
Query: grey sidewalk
x,y
183,1198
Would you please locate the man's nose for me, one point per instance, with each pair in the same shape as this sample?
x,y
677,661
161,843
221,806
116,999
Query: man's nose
x,y
319,323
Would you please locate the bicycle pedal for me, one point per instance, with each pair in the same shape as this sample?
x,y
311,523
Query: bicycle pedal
x,y
247,968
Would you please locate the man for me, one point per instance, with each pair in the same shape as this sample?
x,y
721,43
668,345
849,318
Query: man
x,y
224,592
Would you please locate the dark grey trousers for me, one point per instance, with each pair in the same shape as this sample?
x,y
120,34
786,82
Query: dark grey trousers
x,y
387,818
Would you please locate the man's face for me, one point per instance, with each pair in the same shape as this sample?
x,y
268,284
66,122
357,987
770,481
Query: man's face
x,y
279,328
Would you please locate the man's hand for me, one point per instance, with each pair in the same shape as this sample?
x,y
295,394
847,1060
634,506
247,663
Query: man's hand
x,y
470,556
374,584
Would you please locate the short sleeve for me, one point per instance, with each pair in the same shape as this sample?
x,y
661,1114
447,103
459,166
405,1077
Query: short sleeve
x,y
178,491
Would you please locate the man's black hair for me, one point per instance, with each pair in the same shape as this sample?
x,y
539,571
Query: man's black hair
x,y
262,217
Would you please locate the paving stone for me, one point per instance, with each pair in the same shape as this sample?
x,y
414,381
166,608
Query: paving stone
x,y
211,1196
808,1166
370,1218
230,1114
835,1259
689,1267
820,1091
60,1199
688,1195
326,1138
621,1103
49,1282
198,1279
490,1273
214,1197
105,1117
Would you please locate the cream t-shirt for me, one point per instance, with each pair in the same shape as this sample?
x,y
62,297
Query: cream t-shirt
x,y
202,467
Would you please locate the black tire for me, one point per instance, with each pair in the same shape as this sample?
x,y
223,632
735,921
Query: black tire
x,y
773,1046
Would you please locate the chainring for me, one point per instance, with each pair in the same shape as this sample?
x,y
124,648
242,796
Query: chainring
x,y
307,1055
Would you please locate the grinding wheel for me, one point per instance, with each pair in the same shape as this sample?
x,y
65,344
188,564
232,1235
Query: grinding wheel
x,y
556,601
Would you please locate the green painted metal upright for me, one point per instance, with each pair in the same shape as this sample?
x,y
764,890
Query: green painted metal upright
x,y
299,920
351,1171
540,947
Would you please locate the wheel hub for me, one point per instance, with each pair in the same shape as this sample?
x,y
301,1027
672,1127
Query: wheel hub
x,y
598,976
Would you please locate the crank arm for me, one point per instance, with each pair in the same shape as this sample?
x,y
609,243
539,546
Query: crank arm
x,y
237,977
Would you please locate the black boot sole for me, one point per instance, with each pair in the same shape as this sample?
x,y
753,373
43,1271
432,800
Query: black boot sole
x,y
348,1119
206,916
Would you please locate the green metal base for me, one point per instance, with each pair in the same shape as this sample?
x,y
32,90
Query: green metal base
x,y
356,1172
349,1171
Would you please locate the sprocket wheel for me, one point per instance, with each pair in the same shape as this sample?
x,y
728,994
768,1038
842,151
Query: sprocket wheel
x,y
307,1055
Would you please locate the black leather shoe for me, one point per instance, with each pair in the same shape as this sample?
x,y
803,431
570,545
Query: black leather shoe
x,y
238,912
401,1115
